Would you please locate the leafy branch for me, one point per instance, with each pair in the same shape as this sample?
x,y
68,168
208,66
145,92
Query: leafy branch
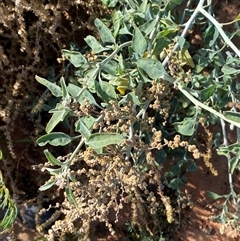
x,y
7,206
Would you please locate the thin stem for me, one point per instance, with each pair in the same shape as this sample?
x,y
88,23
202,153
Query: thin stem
x,y
68,163
230,179
184,12
111,56
152,35
198,103
220,30
185,30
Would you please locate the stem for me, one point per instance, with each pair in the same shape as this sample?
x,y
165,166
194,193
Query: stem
x,y
195,101
152,35
225,143
184,13
185,31
111,56
198,103
220,30
68,163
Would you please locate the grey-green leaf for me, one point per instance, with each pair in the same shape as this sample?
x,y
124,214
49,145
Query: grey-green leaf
x,y
70,196
55,139
233,163
82,128
47,185
185,127
148,26
234,148
55,89
152,67
234,116
75,57
64,89
74,91
116,18
133,98
139,43
228,70
94,44
105,90
54,171
58,115
207,93
51,158
104,32
214,196
98,140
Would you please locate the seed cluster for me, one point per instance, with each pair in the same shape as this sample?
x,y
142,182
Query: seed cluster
x,y
125,174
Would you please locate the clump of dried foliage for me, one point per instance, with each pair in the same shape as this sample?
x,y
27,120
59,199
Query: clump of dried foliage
x,y
32,34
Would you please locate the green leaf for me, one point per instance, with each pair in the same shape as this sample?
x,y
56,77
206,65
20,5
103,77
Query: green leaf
x,y
234,116
133,98
152,67
233,163
148,27
214,196
55,89
51,158
223,151
71,177
228,70
94,44
192,168
116,19
185,58
159,46
226,150
88,121
82,128
55,139
111,67
47,185
65,94
58,115
104,32
234,148
210,35
105,90
186,127
139,43
237,18
54,171
176,183
143,77
181,40
98,140
70,196
74,91
207,93
110,3
75,57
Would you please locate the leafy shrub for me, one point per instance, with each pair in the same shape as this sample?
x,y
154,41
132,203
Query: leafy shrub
x,y
132,101
8,207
